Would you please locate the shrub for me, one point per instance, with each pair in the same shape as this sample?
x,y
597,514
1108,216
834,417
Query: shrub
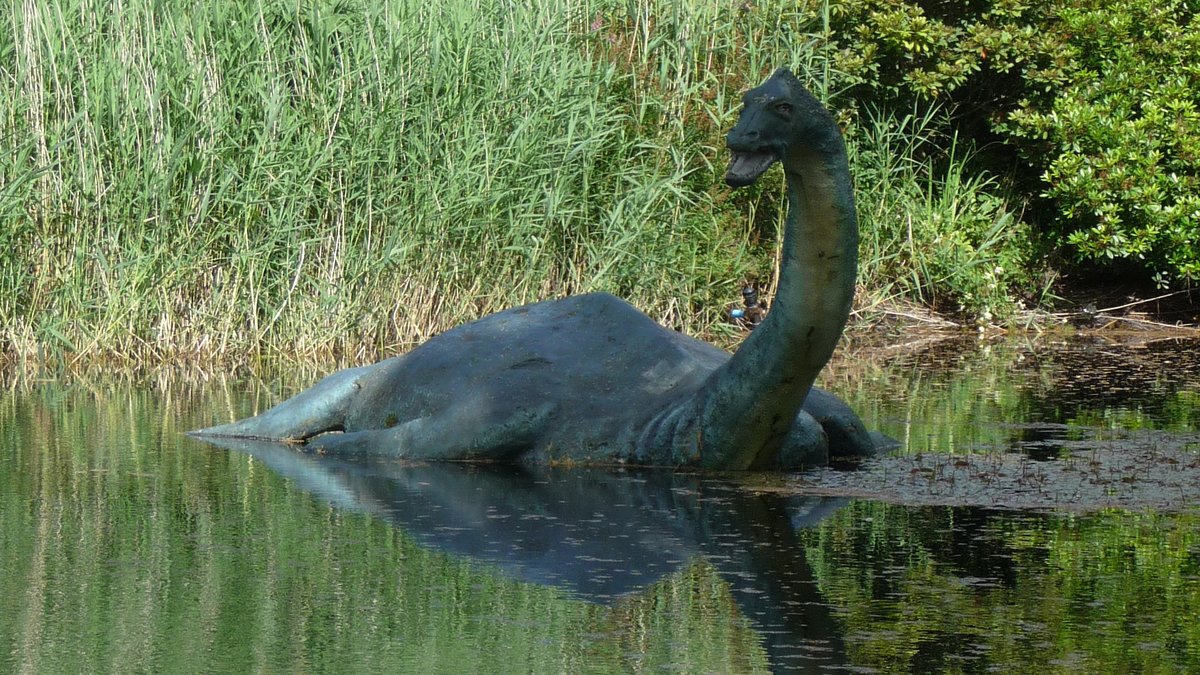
x,y
1100,98
1121,132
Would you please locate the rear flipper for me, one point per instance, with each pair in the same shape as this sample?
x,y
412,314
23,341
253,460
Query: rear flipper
x,y
316,410
462,432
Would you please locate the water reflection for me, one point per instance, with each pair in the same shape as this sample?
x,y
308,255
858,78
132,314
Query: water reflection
x,y
937,396
600,534
937,589
127,547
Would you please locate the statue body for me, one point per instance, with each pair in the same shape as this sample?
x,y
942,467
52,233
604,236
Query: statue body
x,y
590,379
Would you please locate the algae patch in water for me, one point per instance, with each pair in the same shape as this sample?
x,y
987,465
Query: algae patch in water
x,y
1088,470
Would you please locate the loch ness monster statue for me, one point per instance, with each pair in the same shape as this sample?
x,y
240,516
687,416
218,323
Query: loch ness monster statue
x,y
590,379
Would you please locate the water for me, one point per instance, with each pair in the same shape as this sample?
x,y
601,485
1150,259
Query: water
x,y
127,547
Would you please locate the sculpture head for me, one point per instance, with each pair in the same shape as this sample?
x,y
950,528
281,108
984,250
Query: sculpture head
x,y
775,115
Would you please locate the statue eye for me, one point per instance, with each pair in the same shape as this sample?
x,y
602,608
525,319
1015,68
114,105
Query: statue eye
x,y
783,108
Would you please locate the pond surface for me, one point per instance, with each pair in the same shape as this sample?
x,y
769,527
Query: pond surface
x,y
128,547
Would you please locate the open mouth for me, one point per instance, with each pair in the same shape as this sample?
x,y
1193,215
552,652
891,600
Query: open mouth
x,y
746,167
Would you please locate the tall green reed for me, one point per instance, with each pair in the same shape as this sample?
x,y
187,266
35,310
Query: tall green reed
x,y
933,229
323,180
338,181
936,230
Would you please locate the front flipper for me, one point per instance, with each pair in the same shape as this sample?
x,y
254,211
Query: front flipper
x,y
806,445
828,429
316,410
848,436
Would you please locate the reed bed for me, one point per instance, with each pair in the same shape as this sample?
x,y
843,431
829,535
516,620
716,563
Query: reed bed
x,y
331,182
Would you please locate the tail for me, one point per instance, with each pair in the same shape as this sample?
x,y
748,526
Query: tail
x,y
315,410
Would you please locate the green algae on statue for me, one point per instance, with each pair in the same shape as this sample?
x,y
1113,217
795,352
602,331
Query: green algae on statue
x,y
590,379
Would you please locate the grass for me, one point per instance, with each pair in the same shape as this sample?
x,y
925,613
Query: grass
x,y
933,230
336,181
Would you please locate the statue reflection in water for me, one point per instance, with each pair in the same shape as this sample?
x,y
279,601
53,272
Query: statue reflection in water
x,y
596,533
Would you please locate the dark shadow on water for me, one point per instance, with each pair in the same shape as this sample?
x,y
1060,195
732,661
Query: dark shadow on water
x,y
599,534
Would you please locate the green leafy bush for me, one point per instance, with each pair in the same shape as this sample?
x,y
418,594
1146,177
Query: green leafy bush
x,y
1121,131
1100,99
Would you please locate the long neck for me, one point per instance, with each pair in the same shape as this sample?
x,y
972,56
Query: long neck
x,y
747,406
